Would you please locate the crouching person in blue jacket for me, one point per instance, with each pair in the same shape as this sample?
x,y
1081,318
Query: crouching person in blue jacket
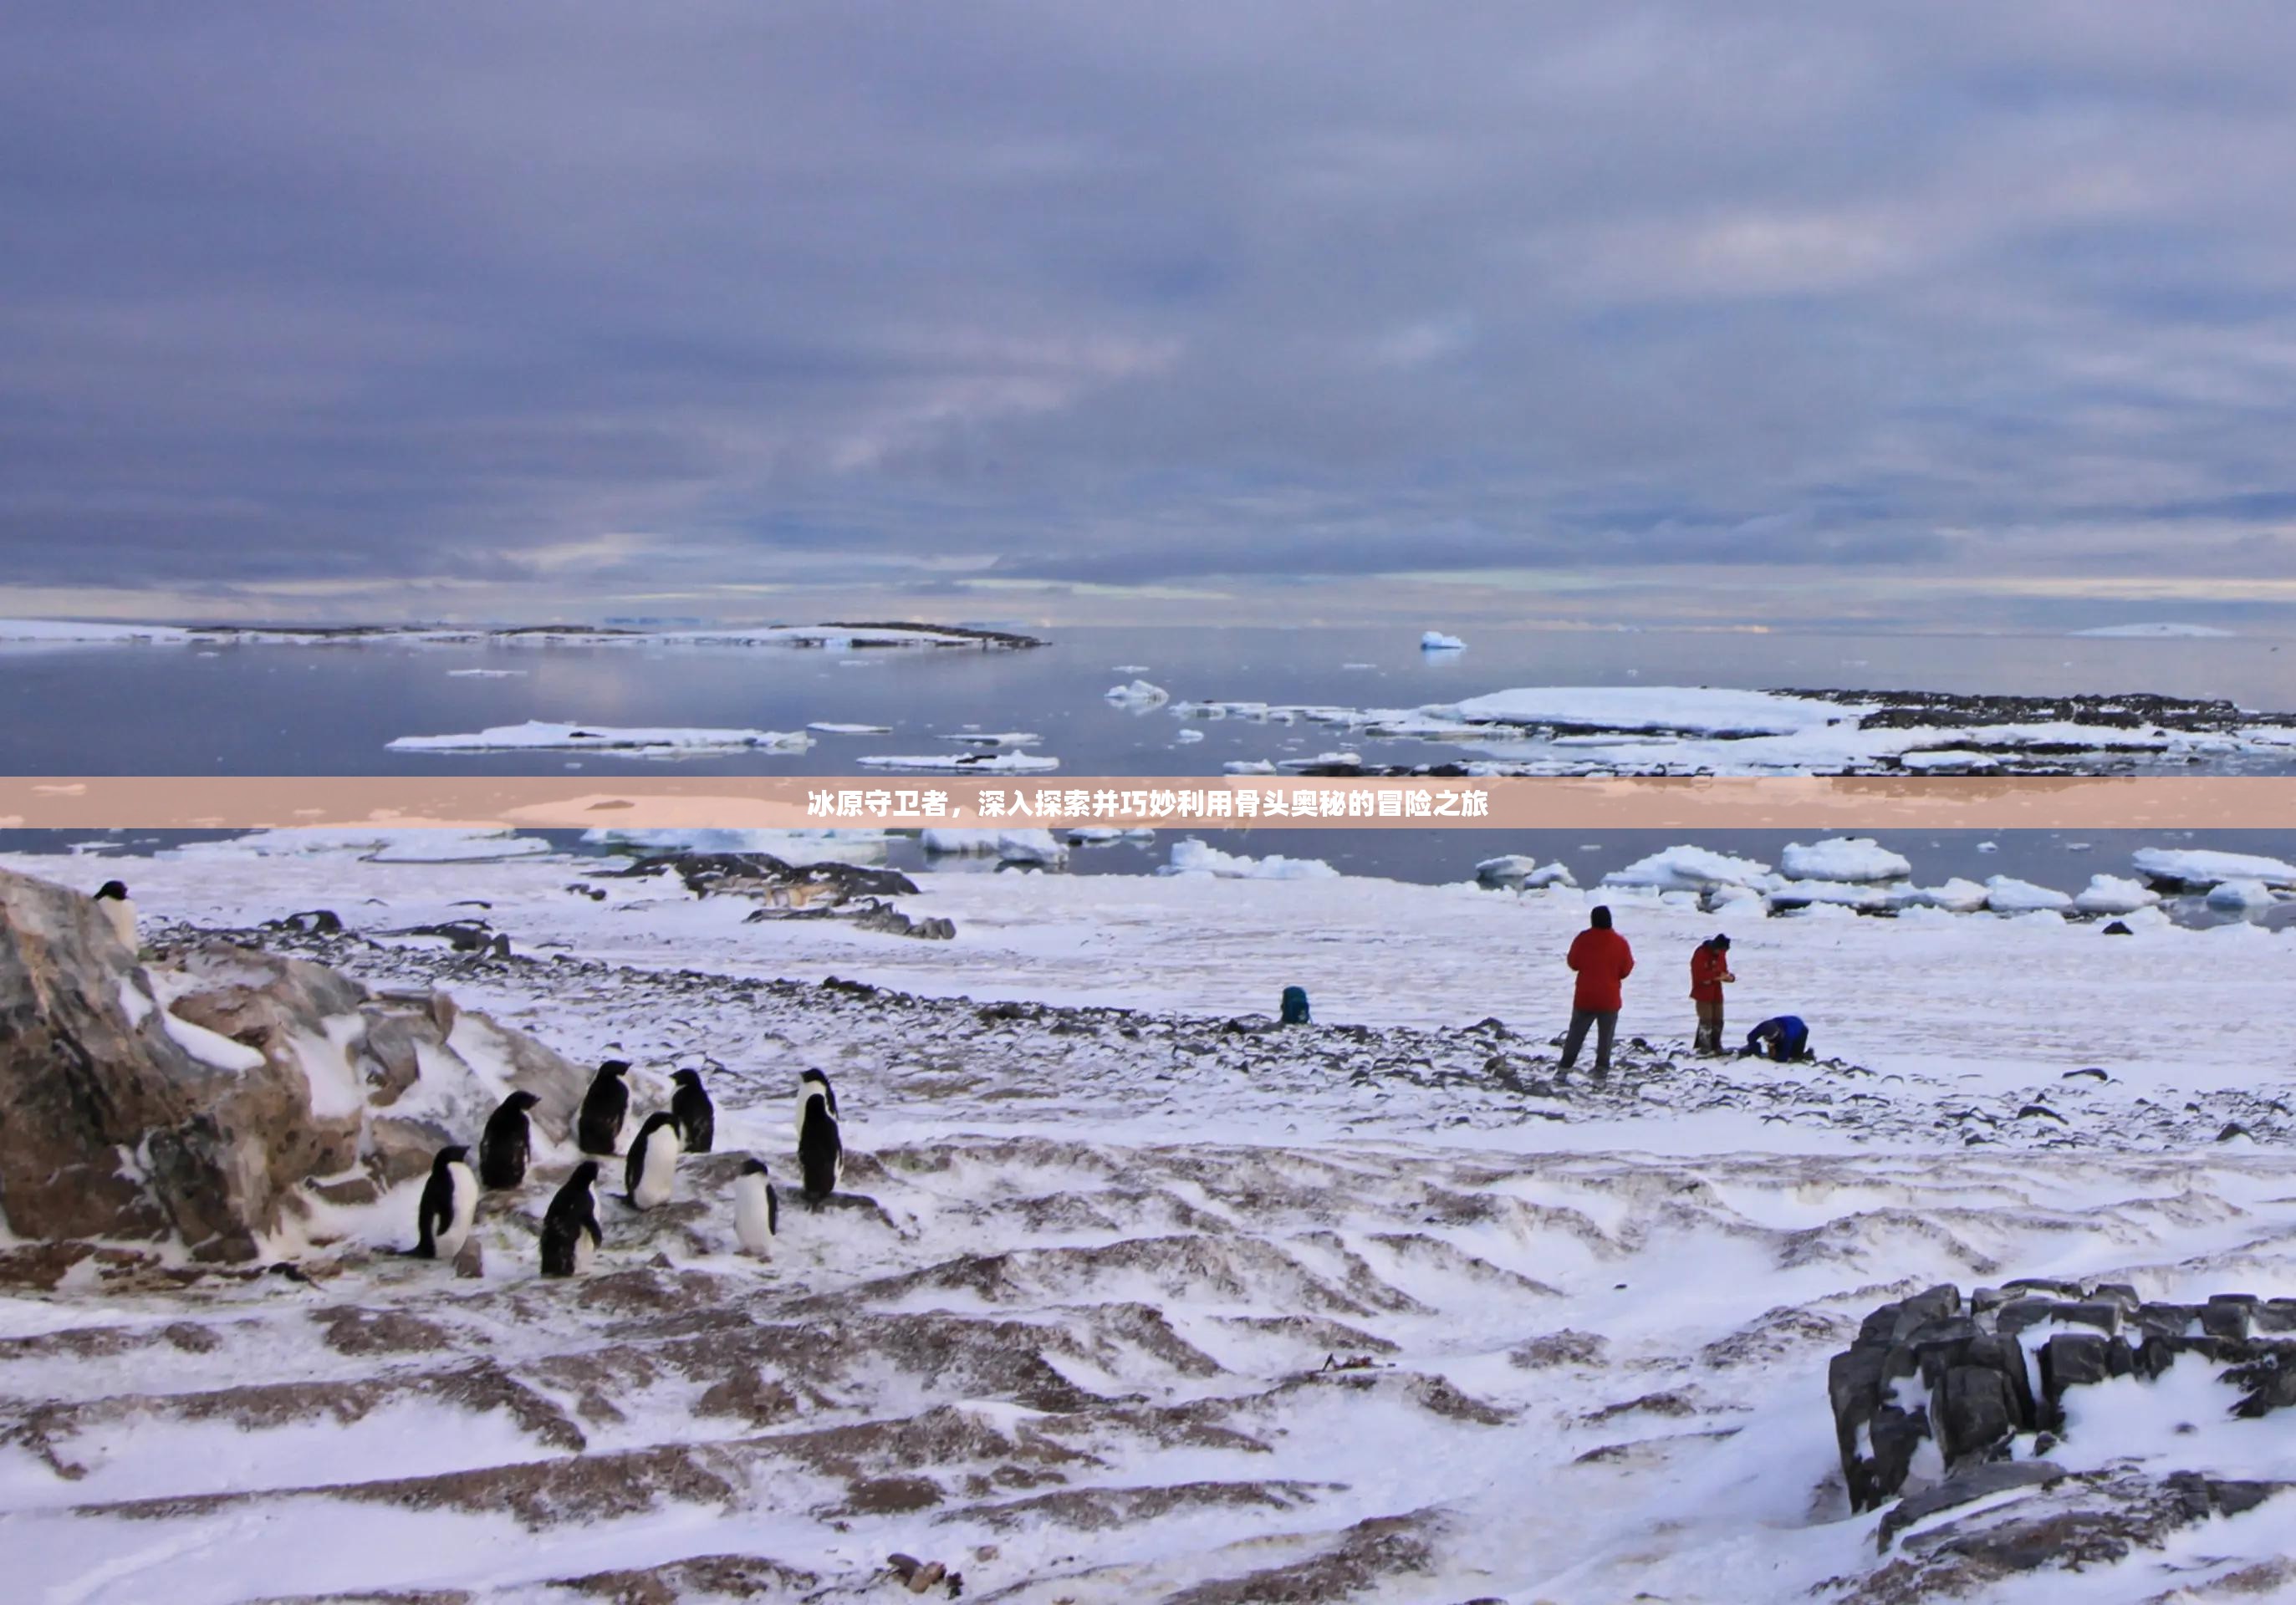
x,y
1781,1037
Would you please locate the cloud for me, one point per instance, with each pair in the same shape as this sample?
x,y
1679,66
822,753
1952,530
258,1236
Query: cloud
x,y
565,300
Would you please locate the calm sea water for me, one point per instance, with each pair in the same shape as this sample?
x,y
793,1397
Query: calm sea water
x,y
292,710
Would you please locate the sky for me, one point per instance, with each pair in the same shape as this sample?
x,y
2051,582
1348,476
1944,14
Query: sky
x,y
1900,315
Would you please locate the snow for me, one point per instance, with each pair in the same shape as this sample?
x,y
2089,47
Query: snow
x,y
210,1047
644,740
2201,867
1956,896
1688,869
1193,857
1845,894
1842,858
2006,895
1138,693
1017,845
2155,631
1436,641
2113,894
1111,1263
991,762
1948,758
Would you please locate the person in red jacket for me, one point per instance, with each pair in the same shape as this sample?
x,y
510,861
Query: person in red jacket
x,y
1602,960
1710,969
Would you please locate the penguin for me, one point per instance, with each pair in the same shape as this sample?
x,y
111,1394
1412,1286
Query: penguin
x,y
756,1210
652,1167
450,1202
113,897
571,1237
820,1151
504,1148
605,1109
697,1117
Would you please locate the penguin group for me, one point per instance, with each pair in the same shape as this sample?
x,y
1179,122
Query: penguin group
x,y
572,1232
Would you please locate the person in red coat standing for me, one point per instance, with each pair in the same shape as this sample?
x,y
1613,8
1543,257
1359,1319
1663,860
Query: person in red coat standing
x,y
1710,969
1602,959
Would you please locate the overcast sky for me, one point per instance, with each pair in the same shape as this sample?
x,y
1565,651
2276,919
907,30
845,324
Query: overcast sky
x,y
1081,309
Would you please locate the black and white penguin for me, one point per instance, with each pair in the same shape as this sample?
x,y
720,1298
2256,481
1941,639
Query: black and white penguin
x,y
820,1150
450,1203
571,1237
697,1117
756,1210
507,1142
653,1168
113,897
605,1109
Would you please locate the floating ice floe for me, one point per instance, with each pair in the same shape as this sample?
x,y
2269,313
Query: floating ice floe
x,y
1689,869
486,674
1248,765
1668,709
379,844
1323,760
1000,738
1436,641
1096,836
2241,895
1183,736
2195,868
1192,857
1856,859
2007,895
865,845
1017,845
829,727
2155,631
1514,871
1138,693
1005,762
644,742
1948,759
2113,894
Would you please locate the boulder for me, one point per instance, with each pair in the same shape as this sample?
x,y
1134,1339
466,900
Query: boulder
x,y
207,1098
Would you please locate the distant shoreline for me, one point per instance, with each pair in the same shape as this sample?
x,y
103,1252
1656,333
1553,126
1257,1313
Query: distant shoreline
x,y
835,633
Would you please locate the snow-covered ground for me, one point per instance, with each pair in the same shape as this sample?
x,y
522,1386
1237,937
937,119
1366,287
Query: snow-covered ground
x,y
1135,1299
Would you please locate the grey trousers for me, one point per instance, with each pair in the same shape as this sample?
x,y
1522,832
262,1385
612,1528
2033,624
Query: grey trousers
x,y
1605,1022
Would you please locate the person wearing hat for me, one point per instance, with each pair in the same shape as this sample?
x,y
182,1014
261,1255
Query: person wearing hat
x,y
1709,971
1601,958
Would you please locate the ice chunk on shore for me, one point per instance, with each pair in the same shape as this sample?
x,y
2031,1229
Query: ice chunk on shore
x,y
543,735
1955,896
1688,869
2113,894
1841,894
1248,765
1018,846
1436,641
1856,859
1193,857
2240,893
1514,871
2007,895
1948,758
1139,693
2196,869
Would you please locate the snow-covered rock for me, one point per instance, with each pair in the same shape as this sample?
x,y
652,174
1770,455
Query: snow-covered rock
x,y
2007,895
1688,869
1193,857
2113,894
1855,858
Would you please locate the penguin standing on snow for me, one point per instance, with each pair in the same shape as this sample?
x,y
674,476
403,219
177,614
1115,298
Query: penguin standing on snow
x,y
605,1109
507,1142
697,1117
756,1210
571,1237
820,1150
450,1203
652,1167
112,898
